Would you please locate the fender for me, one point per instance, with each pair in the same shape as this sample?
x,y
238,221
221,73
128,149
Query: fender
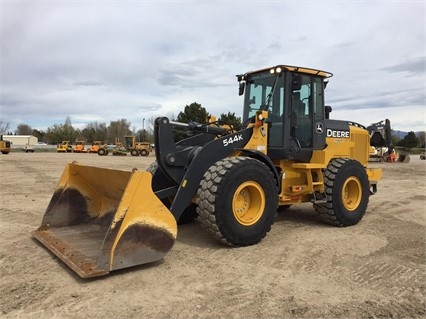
x,y
267,161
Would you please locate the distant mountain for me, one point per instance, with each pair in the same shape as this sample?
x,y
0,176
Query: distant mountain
x,y
399,134
402,134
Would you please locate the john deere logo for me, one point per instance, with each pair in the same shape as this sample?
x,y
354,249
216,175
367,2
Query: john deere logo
x,y
319,128
339,134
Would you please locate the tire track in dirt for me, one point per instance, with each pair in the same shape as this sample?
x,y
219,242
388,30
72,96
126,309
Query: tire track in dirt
x,y
36,176
18,293
397,280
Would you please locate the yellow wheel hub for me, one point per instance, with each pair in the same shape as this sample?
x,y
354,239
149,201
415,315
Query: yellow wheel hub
x,y
351,193
248,203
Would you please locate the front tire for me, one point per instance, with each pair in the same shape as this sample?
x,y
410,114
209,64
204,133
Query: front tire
x,y
237,201
347,190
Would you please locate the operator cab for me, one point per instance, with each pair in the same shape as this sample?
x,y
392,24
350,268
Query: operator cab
x,y
294,98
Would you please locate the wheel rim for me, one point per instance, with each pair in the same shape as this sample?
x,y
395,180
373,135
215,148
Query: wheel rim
x,y
248,203
351,193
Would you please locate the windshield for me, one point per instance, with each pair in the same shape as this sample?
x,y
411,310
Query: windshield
x,y
264,91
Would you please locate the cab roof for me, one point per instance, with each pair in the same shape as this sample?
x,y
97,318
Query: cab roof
x,y
291,68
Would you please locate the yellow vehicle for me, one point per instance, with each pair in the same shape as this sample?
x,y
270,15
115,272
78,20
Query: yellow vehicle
x,y
95,146
118,149
130,146
136,148
4,145
288,152
79,147
64,147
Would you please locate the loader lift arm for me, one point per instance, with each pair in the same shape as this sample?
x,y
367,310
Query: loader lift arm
x,y
184,163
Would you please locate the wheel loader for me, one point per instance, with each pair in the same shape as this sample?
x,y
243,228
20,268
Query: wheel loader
x,y
288,152
4,145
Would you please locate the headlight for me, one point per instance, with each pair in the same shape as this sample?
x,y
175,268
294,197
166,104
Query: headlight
x,y
276,70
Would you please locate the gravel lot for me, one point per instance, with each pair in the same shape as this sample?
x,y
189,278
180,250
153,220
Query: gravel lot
x,y
302,269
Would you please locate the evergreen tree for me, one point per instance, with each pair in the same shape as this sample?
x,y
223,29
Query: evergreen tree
x,y
61,132
409,141
192,113
231,119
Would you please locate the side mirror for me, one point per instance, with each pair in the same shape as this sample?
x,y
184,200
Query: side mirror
x,y
241,88
328,110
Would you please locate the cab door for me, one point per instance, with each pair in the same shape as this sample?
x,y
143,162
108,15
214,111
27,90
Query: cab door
x,y
307,130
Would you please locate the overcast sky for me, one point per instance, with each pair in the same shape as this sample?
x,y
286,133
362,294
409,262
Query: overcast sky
x,y
107,60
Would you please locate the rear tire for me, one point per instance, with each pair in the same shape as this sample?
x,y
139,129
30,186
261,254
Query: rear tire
x,y
101,152
144,152
237,201
347,190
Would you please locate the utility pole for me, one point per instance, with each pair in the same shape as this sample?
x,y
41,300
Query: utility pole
x,y
143,130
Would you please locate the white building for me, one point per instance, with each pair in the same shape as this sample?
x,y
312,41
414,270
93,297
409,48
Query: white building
x,y
20,140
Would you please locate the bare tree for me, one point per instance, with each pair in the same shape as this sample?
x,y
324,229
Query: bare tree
x,y
24,129
95,131
422,138
118,129
4,127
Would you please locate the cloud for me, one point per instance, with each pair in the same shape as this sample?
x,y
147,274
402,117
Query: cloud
x,y
413,67
87,83
107,60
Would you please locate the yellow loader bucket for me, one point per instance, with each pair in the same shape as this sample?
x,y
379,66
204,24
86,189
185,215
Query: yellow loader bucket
x,y
100,220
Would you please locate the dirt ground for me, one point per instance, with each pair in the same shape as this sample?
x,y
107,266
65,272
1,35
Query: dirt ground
x,y
302,269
